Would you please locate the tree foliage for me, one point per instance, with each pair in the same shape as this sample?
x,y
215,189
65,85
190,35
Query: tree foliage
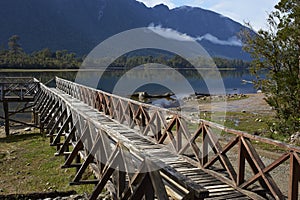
x,y
277,51
14,46
176,61
15,57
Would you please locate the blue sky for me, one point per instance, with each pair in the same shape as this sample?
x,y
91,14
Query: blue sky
x,y
253,11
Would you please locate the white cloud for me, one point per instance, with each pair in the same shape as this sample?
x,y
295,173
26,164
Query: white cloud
x,y
175,35
233,41
170,33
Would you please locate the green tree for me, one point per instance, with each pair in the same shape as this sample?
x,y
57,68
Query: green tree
x,y
14,46
277,51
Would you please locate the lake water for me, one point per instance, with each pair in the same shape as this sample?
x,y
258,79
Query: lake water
x,y
234,80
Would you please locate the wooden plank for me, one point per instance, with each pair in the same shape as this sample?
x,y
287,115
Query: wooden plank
x,y
217,190
6,117
226,195
241,163
217,186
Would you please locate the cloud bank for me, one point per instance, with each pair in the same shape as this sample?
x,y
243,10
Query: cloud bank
x,y
232,41
175,35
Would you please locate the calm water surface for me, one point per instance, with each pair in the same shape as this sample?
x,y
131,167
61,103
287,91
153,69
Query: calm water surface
x,y
234,80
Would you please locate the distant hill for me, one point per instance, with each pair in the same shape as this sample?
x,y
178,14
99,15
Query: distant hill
x,y
79,25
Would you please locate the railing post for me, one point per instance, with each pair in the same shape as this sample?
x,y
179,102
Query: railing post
x,y
294,176
2,92
205,141
6,116
241,163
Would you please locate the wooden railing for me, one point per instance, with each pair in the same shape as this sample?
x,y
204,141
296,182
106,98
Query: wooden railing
x,y
228,160
18,89
110,158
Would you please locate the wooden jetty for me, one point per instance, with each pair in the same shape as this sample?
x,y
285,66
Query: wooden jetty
x,y
140,151
22,91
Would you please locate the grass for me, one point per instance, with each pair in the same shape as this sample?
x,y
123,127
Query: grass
x,y
248,122
28,165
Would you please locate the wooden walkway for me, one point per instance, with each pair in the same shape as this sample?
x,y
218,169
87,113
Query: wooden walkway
x,y
139,151
22,91
168,163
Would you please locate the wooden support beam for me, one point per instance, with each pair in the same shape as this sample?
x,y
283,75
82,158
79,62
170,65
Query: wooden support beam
x,y
6,116
58,121
84,166
241,163
45,108
157,182
144,189
294,176
22,110
64,127
42,102
39,100
78,147
70,136
110,167
20,122
90,159
52,118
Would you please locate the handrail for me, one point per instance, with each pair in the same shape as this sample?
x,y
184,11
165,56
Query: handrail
x,y
212,124
114,152
152,121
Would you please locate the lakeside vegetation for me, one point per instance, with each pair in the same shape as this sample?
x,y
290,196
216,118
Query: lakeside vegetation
x,y
14,57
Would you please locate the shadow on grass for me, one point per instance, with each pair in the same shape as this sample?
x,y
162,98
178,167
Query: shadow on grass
x,y
17,138
37,195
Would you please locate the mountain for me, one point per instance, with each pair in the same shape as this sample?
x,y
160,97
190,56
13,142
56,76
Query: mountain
x,y
79,25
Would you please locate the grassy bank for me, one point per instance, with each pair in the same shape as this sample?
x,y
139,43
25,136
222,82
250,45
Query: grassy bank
x,y
28,165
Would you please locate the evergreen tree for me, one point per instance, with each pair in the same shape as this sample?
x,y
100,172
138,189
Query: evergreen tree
x,y
14,46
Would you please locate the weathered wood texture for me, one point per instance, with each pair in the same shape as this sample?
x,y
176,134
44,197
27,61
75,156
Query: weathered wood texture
x,y
17,90
97,140
171,129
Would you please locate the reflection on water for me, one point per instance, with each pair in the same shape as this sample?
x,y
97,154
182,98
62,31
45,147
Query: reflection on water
x,y
42,76
233,81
